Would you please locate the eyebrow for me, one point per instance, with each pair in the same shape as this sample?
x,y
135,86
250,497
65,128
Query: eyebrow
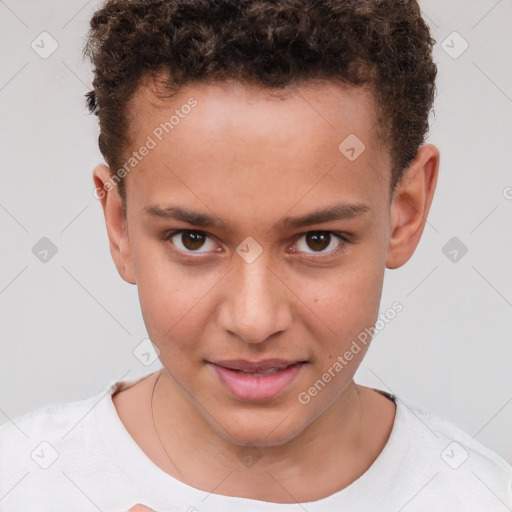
x,y
341,211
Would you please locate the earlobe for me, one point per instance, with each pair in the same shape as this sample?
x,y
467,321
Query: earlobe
x,y
411,204
116,223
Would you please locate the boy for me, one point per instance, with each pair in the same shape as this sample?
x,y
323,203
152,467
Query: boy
x,y
265,165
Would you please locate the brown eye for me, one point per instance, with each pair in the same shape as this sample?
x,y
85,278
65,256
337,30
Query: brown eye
x,y
318,241
191,241
321,242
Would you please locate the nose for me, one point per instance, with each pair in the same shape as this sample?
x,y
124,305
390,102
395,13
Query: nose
x,y
255,304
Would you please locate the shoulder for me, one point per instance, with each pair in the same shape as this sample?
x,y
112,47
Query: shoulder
x,y
456,443
58,420
63,431
458,463
51,424
36,448
51,456
54,417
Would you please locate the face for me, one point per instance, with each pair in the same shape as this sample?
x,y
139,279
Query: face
x,y
230,262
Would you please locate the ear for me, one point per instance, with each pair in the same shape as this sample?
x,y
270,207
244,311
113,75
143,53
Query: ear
x,y
117,226
410,205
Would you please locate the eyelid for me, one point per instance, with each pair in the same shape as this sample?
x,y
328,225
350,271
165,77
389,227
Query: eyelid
x,y
343,238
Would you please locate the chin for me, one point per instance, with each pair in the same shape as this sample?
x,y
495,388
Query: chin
x,y
258,427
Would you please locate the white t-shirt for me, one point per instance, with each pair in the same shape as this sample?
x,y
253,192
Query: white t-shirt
x,y
78,457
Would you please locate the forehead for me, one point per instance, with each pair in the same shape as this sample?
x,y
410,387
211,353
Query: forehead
x,y
325,104
263,145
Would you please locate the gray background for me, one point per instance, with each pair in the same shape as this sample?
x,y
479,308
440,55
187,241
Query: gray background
x,y
69,326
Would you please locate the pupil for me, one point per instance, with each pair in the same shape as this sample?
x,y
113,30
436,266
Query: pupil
x,y
195,239
323,238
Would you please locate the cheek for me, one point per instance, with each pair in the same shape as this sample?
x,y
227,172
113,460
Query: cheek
x,y
173,305
343,305
344,298
173,297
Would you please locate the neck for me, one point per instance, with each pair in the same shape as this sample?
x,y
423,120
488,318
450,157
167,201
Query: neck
x,y
288,472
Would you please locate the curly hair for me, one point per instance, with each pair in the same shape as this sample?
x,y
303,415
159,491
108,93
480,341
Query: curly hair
x,y
384,45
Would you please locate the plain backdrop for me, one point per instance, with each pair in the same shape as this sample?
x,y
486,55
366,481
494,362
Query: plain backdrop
x,y
69,326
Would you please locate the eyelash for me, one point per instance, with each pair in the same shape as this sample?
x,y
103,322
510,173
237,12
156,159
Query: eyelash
x,y
344,241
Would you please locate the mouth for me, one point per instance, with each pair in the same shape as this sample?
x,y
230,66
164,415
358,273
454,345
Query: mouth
x,y
257,381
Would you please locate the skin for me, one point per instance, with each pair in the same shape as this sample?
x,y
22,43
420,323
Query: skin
x,y
251,159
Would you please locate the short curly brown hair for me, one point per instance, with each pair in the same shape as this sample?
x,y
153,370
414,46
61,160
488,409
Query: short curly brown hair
x,y
384,45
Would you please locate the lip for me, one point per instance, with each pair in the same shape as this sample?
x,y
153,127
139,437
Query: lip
x,y
241,382
254,366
